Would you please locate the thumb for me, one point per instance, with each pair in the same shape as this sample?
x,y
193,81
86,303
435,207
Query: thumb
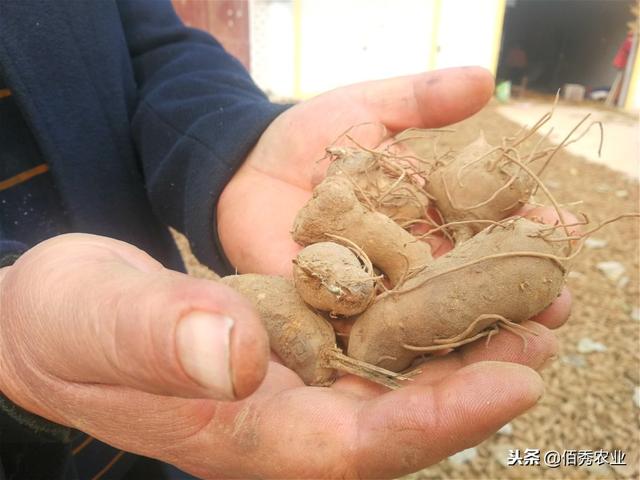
x,y
188,337
84,314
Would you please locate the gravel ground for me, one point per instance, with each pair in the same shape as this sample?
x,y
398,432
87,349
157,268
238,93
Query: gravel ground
x,y
589,401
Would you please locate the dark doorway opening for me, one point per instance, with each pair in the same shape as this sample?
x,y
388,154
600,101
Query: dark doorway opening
x,y
550,43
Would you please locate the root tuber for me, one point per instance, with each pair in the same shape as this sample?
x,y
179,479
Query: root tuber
x,y
504,275
331,278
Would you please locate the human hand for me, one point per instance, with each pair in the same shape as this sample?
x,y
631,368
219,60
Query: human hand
x,y
356,427
110,365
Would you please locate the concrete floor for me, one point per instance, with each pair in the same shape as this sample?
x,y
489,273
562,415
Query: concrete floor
x,y
621,148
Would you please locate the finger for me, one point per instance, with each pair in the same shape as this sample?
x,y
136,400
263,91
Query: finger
x,y
550,216
417,426
140,422
426,100
532,350
556,314
155,330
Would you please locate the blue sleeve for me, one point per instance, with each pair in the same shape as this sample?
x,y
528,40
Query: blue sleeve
x,y
198,115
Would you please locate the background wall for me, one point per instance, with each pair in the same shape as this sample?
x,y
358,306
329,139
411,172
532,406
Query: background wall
x,y
468,33
303,47
273,46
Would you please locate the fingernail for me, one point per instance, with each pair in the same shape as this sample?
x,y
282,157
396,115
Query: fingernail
x,y
203,344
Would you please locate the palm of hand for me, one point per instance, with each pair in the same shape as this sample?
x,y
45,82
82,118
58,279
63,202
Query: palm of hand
x,y
358,429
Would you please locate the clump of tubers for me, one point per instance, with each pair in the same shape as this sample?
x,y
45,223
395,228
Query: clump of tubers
x,y
380,183
363,265
335,211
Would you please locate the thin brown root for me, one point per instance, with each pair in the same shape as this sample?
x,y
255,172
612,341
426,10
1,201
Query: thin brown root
x,y
335,359
474,161
361,255
586,130
500,320
575,203
510,207
362,147
436,226
409,222
488,332
562,144
540,123
386,357
383,155
465,333
434,348
367,199
412,373
352,127
393,186
442,222
460,222
505,186
530,157
552,228
608,221
426,131
494,330
584,235
405,273
518,330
